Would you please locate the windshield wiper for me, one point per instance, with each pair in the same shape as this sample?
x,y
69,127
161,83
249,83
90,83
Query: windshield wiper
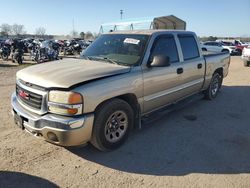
x,y
106,59
102,59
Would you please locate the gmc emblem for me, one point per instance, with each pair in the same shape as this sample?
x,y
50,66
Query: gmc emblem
x,y
23,94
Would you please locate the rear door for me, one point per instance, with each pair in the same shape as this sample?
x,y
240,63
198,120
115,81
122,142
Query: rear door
x,y
193,65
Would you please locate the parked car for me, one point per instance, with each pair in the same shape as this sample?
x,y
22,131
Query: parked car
x,y
219,47
246,56
233,41
211,47
237,43
121,77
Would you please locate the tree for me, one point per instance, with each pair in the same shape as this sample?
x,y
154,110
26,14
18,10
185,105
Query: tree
x,y
82,35
40,31
6,29
17,29
212,38
89,35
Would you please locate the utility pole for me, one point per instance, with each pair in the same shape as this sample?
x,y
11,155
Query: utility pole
x,y
121,12
73,25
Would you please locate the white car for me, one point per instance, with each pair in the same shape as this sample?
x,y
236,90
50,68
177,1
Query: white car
x,y
246,56
218,47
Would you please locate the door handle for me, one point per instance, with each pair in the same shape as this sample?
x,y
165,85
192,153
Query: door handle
x,y
199,66
179,70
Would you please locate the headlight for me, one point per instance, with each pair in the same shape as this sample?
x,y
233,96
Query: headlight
x,y
65,103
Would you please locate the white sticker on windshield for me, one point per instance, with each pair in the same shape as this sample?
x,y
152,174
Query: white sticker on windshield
x,y
131,41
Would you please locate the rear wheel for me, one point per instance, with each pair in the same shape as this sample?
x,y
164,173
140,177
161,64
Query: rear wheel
x,y
214,87
246,63
239,51
113,121
19,59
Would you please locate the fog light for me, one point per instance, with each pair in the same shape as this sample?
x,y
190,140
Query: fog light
x,y
52,136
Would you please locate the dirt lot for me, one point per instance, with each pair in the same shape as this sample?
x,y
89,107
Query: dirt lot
x,y
205,144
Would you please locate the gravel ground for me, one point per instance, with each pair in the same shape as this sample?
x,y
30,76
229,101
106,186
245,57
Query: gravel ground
x,y
204,144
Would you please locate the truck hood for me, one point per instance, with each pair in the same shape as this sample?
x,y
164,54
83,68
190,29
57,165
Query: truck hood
x,y
68,72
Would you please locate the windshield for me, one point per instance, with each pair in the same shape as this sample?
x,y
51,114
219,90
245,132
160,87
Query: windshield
x,y
124,49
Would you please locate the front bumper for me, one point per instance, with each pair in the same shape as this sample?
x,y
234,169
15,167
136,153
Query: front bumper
x,y
61,130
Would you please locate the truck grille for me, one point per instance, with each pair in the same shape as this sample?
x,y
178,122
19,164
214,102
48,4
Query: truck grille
x,y
31,99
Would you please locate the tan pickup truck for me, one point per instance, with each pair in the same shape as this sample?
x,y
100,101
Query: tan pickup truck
x,y
100,97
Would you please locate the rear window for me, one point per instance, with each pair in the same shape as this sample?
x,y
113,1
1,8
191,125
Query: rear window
x,y
189,47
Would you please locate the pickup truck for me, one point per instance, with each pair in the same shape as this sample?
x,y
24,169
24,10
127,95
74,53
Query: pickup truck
x,y
121,77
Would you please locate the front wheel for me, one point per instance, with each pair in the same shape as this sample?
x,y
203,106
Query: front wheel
x,y
5,56
214,86
246,63
113,121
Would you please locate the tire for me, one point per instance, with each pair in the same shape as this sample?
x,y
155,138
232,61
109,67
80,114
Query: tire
x,y
246,63
5,57
214,86
113,122
19,60
239,52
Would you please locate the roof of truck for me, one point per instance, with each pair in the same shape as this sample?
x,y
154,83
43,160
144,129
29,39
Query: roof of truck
x,y
150,31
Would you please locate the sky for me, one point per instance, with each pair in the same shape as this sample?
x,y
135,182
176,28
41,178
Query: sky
x,y
205,17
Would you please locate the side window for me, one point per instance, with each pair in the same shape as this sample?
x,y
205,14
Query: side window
x,y
189,47
165,46
215,44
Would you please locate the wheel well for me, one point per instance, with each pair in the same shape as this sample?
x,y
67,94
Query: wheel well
x,y
219,71
225,50
131,99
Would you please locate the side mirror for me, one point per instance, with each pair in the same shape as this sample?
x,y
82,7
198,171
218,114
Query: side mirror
x,y
160,61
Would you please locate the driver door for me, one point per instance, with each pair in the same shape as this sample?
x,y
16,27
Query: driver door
x,y
161,83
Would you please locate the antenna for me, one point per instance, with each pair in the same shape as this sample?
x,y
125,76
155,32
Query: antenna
x,y
121,12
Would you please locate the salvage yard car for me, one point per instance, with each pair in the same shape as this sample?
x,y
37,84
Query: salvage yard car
x,y
219,47
121,77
